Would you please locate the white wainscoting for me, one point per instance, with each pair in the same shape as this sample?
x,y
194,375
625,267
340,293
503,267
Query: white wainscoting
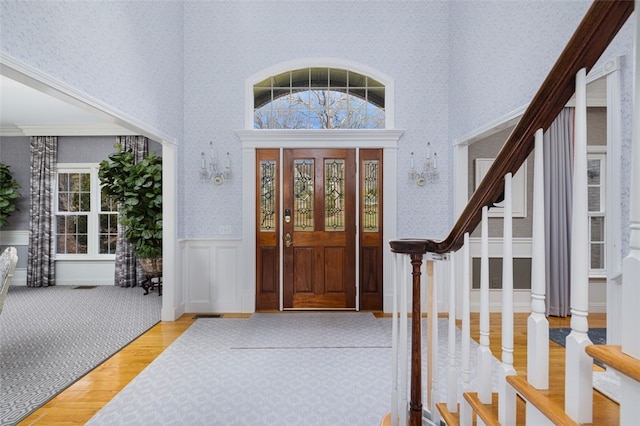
x,y
19,240
213,273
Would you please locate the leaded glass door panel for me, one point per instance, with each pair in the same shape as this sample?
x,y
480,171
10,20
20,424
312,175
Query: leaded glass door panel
x,y
319,228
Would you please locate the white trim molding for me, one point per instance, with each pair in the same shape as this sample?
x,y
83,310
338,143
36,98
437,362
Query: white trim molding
x,y
387,140
324,62
14,238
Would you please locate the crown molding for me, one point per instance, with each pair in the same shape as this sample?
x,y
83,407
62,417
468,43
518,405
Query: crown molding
x,y
97,129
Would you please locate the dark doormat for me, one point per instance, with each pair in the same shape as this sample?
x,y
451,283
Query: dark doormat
x,y
598,336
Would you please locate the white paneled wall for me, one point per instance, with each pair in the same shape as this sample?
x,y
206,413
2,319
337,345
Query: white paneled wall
x,y
212,274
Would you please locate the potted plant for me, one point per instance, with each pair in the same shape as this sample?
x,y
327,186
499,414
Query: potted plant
x,y
137,187
8,194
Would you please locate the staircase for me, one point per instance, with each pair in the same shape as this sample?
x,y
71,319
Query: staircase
x,y
522,397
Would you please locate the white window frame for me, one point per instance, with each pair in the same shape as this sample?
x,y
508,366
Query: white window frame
x,y
599,153
93,216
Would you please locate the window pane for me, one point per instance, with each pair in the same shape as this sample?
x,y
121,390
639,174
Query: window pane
x,y
63,202
594,199
370,191
593,171
108,233
63,182
597,256
334,195
267,195
303,190
107,203
82,224
319,98
597,229
82,244
85,201
71,234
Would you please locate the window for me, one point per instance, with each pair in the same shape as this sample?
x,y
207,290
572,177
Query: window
x,y
319,98
596,202
86,219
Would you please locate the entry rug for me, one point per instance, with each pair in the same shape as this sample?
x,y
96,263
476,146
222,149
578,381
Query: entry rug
x,y
271,369
52,336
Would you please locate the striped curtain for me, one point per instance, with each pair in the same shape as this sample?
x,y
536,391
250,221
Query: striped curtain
x,y
128,271
41,259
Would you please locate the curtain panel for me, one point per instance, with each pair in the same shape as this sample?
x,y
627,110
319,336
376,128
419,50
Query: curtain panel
x,y
41,251
558,171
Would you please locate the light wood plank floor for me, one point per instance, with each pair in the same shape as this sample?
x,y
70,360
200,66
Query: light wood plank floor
x,y
78,403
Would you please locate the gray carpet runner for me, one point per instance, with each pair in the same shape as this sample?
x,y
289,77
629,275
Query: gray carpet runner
x,y
52,336
272,369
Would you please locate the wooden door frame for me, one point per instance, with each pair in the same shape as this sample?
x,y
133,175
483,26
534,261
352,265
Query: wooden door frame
x,y
387,140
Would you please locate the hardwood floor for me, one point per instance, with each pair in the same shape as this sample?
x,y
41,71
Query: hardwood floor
x,y
78,403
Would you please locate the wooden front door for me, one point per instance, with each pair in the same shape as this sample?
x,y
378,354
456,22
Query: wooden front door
x,y
315,204
319,229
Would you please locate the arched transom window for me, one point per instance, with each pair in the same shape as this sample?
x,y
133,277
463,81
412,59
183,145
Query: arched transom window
x,y
319,98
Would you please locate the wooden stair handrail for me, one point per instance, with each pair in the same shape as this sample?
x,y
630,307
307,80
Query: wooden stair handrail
x,y
542,402
613,356
597,29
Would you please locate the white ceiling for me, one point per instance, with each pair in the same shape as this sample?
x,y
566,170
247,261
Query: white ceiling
x,y
25,111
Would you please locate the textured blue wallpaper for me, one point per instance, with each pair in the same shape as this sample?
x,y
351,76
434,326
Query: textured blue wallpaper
x,y
127,54
180,67
227,42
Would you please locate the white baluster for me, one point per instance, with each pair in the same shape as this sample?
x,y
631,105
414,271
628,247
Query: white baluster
x,y
465,409
433,332
579,366
484,351
394,342
452,373
630,389
507,396
537,323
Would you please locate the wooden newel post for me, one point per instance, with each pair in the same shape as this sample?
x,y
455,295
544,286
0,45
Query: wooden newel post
x,y
415,405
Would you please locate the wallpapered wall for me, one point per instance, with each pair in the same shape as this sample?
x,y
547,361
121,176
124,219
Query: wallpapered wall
x,y
227,42
501,52
126,54
180,67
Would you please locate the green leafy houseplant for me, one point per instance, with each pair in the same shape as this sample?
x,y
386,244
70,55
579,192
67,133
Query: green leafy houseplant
x,y
138,190
8,194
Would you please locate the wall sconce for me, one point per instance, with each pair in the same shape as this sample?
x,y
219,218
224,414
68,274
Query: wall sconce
x,y
429,174
211,172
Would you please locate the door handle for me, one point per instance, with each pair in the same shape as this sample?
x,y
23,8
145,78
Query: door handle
x,y
288,242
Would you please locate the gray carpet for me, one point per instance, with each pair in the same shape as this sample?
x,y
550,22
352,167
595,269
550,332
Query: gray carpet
x,y
52,336
271,369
